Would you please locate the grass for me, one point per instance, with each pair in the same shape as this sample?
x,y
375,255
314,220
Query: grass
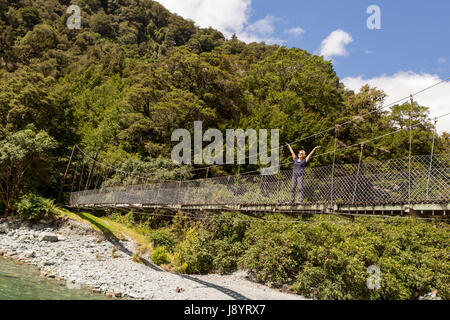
x,y
137,258
111,228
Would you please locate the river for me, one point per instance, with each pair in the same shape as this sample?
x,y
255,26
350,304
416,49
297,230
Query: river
x,y
23,282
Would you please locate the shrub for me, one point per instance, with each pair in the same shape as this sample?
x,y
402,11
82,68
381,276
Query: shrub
x,y
410,255
229,225
180,224
226,254
160,256
273,253
34,207
162,238
194,254
226,233
128,219
327,258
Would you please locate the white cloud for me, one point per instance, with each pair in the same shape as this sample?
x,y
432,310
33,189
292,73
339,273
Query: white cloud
x,y
401,84
263,26
296,31
225,15
228,16
442,60
334,44
261,30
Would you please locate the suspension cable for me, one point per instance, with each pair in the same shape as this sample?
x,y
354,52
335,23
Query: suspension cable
x,y
431,156
358,172
74,176
81,176
410,149
336,130
350,146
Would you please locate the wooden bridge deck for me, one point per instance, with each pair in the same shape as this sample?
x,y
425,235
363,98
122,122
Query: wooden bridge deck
x,y
418,209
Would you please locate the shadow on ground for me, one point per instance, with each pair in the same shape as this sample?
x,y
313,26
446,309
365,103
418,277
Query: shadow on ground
x,y
109,236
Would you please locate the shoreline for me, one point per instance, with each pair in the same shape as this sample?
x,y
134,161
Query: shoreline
x,y
74,252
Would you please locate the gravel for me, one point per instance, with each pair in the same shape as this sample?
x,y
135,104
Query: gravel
x,y
75,253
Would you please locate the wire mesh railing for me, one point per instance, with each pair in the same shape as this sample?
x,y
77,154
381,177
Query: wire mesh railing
x,y
383,182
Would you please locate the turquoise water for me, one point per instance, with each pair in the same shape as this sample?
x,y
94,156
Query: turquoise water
x,y
23,282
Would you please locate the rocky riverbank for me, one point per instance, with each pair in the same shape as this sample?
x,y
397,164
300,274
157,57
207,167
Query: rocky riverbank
x,y
72,251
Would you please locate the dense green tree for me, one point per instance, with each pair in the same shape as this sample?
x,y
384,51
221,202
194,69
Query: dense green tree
x,y
422,131
22,162
35,42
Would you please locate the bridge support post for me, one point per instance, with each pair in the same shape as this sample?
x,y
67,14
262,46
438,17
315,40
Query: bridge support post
x,y
90,172
431,160
336,129
63,181
410,148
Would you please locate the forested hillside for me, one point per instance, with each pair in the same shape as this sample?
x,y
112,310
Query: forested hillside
x,y
134,72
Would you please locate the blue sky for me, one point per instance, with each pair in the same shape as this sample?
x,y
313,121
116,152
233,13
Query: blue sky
x,y
410,51
414,35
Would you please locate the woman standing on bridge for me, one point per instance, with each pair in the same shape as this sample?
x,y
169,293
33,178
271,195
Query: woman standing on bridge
x,y
299,171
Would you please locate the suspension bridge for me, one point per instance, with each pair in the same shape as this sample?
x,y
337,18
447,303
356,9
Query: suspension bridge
x,y
416,185
371,188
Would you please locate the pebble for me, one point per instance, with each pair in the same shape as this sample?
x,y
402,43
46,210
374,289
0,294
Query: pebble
x,y
3,229
74,254
50,237
29,254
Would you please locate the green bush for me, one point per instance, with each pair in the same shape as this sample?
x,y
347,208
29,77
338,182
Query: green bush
x,y
160,256
227,232
34,207
226,254
128,219
214,245
410,255
273,252
228,225
194,254
162,238
327,257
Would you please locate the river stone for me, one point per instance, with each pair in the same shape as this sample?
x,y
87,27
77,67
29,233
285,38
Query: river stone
x,y
29,254
37,226
50,237
25,238
3,228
